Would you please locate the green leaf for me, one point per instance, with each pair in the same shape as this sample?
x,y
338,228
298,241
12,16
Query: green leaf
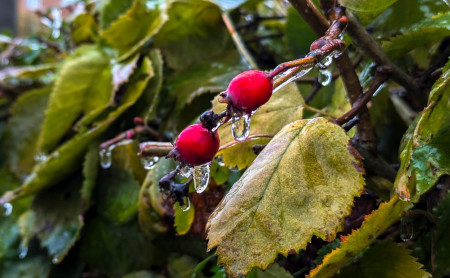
x,y
68,158
426,156
198,28
373,226
385,259
209,76
111,10
117,195
131,30
19,143
125,156
339,102
117,250
367,10
31,267
183,219
423,34
90,173
298,33
84,83
284,107
27,76
84,28
153,90
272,271
218,173
302,184
57,218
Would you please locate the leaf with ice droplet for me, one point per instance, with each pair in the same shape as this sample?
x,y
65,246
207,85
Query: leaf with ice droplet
x,y
68,157
283,108
133,29
422,34
373,226
426,156
23,127
183,219
302,184
385,259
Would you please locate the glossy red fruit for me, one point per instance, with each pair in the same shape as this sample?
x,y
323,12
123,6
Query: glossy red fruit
x,y
249,90
196,145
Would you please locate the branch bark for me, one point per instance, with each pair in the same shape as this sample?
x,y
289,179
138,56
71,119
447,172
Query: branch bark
x,y
319,24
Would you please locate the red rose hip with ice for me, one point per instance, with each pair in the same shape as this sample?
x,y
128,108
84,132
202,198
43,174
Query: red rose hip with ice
x,y
248,91
195,145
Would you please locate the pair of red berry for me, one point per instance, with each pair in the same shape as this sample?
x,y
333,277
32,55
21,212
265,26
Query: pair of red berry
x,y
196,145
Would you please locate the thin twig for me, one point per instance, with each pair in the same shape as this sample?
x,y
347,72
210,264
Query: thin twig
x,y
154,149
238,41
380,77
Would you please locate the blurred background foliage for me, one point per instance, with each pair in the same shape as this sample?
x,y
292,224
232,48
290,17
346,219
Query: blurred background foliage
x,y
90,67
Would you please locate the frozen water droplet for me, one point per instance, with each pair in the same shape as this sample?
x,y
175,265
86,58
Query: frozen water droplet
x,y
185,171
7,209
293,78
56,260
23,251
105,158
324,77
219,160
149,162
337,54
185,205
201,177
40,157
406,229
240,128
326,62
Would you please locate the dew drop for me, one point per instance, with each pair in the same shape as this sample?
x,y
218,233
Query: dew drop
x,y
406,229
149,162
7,209
105,158
185,204
219,160
185,171
240,128
56,260
40,157
324,77
201,177
23,251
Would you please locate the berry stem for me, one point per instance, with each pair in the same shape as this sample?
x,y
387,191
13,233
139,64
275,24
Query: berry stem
x,y
131,134
154,149
303,63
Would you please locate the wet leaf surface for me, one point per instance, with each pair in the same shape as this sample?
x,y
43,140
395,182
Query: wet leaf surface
x,y
306,172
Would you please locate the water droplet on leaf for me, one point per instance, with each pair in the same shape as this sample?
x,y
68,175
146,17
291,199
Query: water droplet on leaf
x,y
219,160
7,207
185,203
149,162
40,157
105,158
324,77
240,128
406,229
201,177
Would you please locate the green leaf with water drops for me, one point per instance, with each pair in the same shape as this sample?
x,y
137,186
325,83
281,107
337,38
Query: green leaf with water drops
x,y
422,34
385,259
133,29
426,156
284,107
367,10
198,27
352,245
183,219
69,156
301,185
19,141
84,83
117,195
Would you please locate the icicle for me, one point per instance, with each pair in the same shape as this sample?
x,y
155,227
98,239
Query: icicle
x,y
186,204
201,177
324,77
240,127
7,209
149,162
105,158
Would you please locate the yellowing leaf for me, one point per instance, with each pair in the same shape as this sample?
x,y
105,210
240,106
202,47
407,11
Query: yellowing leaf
x,y
240,154
283,108
373,225
385,259
302,184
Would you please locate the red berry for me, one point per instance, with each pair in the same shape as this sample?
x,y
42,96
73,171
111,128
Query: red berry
x,y
249,90
196,145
